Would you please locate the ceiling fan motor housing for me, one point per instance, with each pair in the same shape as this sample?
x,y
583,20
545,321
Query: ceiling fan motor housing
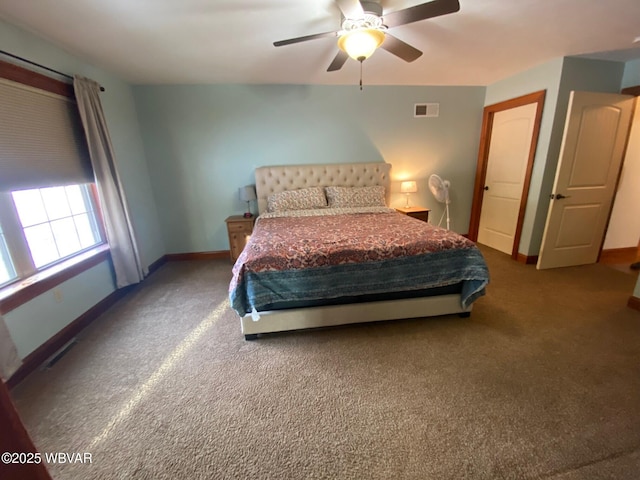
x,y
362,35
371,18
372,8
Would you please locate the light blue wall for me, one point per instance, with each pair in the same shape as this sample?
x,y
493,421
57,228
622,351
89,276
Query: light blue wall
x,y
30,328
35,322
203,142
631,77
558,77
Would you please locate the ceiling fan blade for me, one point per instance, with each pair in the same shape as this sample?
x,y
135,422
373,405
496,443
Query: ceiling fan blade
x,y
338,62
304,39
431,9
350,8
400,49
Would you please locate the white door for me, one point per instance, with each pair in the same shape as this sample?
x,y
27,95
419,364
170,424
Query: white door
x,y
593,145
509,147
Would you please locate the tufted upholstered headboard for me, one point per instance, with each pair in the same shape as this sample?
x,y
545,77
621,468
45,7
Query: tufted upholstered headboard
x,y
290,177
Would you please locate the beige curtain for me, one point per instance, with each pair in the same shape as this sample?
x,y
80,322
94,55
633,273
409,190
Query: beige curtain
x,y
119,229
9,359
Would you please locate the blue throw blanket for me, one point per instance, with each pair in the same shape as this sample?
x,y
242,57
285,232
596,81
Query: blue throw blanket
x,y
436,269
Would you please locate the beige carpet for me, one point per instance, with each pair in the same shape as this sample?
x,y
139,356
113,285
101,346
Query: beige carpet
x,y
542,381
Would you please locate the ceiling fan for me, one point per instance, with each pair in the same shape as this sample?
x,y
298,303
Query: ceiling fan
x,y
365,28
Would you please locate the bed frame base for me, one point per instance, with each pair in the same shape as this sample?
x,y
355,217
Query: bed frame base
x,y
332,315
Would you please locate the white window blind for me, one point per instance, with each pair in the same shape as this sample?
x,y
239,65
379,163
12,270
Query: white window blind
x,y
41,139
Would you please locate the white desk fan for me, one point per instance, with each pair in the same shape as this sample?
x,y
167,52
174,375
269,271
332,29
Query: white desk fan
x,y
440,190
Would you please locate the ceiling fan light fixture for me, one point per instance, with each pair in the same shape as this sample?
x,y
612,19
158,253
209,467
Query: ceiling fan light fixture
x,y
361,43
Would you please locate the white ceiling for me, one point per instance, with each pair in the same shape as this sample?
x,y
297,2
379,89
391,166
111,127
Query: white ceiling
x,y
231,41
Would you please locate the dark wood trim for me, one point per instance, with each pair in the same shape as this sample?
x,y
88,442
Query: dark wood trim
x,y
634,302
635,91
25,76
36,358
527,259
28,289
483,157
178,257
157,264
618,255
539,99
481,174
15,438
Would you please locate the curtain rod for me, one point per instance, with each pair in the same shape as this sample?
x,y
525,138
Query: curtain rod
x,y
40,66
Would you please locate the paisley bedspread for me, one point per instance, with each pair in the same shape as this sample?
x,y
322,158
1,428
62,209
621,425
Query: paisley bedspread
x,y
325,254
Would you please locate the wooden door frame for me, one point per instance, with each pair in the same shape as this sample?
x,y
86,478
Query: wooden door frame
x,y
483,159
634,91
14,438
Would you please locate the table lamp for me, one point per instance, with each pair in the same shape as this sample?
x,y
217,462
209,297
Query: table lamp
x,y
248,193
408,188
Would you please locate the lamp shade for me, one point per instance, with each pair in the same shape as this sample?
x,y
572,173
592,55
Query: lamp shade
x,y
408,187
247,193
361,43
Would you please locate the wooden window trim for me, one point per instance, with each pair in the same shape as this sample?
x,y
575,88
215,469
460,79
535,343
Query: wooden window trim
x,y
25,290
25,76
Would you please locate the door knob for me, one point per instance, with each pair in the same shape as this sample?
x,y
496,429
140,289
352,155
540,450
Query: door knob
x,y
558,196
486,187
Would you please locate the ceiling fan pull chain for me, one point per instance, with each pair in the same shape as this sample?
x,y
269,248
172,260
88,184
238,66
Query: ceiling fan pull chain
x,y
361,75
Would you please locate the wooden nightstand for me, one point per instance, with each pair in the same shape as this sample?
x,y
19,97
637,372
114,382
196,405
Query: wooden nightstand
x,y
239,229
420,213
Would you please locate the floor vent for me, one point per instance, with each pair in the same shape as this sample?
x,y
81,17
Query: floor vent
x,y
59,354
426,110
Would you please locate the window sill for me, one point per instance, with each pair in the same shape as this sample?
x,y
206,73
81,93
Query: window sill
x,y
14,295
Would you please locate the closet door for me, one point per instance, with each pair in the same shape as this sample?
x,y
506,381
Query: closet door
x,y
593,146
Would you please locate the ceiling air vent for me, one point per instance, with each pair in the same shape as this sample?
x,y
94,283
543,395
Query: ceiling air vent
x,y
426,110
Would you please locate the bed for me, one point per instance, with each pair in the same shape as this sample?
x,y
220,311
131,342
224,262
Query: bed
x,y
327,250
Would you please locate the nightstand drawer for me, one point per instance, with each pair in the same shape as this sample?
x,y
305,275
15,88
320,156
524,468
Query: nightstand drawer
x,y
240,227
418,213
424,216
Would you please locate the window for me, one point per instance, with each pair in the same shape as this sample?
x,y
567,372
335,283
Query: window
x,y
57,222
43,226
50,228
